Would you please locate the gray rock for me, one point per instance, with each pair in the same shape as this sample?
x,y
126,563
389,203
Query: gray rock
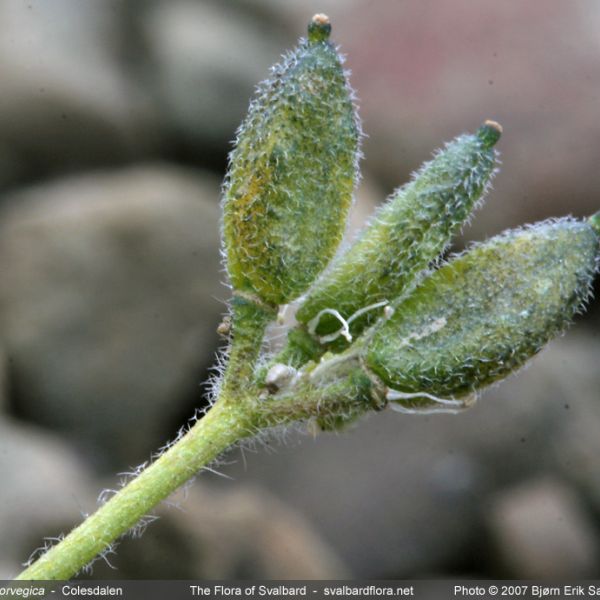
x,y
109,303
67,100
8,569
248,532
541,531
206,60
577,447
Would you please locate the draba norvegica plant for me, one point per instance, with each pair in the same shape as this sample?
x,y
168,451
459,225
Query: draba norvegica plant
x,y
387,323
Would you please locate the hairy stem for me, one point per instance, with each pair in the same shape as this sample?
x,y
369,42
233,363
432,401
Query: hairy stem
x,y
222,426
227,422
325,394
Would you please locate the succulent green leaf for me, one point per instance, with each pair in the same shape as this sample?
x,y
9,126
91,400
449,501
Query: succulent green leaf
x,y
292,173
487,311
406,235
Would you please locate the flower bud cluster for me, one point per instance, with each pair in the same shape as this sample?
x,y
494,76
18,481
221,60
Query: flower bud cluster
x,y
412,331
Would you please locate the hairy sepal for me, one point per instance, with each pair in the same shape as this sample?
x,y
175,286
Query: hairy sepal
x,y
292,174
486,312
405,236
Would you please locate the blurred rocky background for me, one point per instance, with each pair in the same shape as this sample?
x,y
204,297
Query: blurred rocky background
x,y
115,122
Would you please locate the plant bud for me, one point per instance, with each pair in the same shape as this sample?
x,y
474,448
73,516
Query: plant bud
x,y
409,232
292,173
487,311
